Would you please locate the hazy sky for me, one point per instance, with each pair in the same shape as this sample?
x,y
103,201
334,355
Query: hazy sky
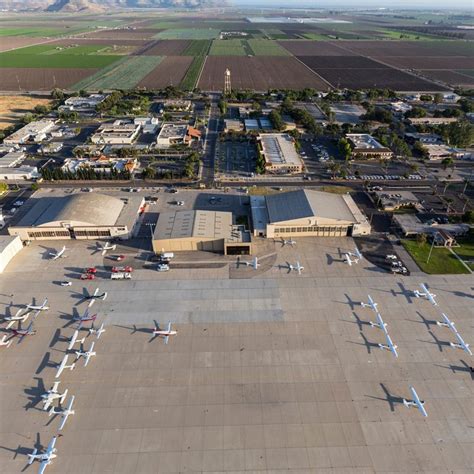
x,y
430,4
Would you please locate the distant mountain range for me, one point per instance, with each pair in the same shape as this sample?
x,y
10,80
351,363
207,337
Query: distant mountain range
x,y
98,5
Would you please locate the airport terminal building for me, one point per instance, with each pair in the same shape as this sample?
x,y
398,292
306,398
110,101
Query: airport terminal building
x,y
210,231
79,216
307,213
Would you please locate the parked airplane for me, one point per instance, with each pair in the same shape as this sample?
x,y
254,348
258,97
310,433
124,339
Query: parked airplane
x,y
165,333
65,413
390,346
426,294
371,304
6,341
84,318
93,330
96,296
52,394
43,307
290,242
356,254
63,365
447,323
416,402
380,323
21,333
45,458
17,318
254,263
298,267
56,255
86,354
106,247
460,344
75,340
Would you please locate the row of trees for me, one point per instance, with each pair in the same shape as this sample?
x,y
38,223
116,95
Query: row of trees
x,y
84,174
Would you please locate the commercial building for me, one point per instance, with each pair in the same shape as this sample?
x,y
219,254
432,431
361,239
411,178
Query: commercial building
x,y
233,125
79,216
18,173
102,163
307,213
9,247
116,133
11,159
432,120
410,225
83,104
279,152
366,146
176,134
391,201
34,132
210,231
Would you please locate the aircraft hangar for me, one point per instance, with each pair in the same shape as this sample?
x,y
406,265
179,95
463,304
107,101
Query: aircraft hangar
x,y
79,216
307,213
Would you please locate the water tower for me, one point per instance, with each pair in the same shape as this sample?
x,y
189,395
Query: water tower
x,y
227,86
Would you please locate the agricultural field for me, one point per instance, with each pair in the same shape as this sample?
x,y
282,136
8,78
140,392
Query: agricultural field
x,y
197,48
41,79
55,57
164,48
454,78
125,74
188,33
170,71
11,42
138,34
192,74
314,48
263,47
259,73
13,107
230,47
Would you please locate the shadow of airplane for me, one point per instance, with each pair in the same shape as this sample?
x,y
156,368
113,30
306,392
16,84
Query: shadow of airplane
x,y
389,398
465,367
359,321
46,362
462,294
24,451
426,322
437,341
34,394
366,343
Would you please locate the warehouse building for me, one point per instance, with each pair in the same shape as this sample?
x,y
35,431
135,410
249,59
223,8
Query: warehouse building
x,y
279,152
118,133
210,231
9,247
33,132
79,216
306,213
366,146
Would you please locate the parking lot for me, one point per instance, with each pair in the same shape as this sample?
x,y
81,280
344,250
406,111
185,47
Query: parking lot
x,y
270,371
236,158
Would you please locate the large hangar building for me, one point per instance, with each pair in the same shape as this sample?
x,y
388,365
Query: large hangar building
x,y
79,216
210,231
307,213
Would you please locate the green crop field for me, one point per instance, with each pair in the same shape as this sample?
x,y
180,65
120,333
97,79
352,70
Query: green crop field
x,y
231,47
188,33
197,48
31,31
124,74
47,56
189,81
263,47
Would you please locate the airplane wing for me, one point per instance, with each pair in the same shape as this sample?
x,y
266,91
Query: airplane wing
x,y
167,338
47,404
28,329
51,445
73,339
418,402
96,292
168,328
463,345
42,467
348,260
390,344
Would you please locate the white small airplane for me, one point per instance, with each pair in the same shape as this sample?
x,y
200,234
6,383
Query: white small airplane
x,y
45,458
460,344
390,346
63,365
380,323
96,296
298,268
43,307
52,394
254,263
426,294
56,255
447,323
289,242
416,402
18,317
356,254
21,333
75,340
84,318
165,333
98,332
107,247
371,304
86,354
65,413
6,341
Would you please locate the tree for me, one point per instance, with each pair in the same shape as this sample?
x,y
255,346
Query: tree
x,y
446,162
148,173
460,133
276,120
421,239
335,169
3,188
415,112
222,107
57,94
438,98
468,217
41,109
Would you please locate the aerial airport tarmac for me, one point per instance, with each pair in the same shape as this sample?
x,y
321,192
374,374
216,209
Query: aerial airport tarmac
x,y
270,370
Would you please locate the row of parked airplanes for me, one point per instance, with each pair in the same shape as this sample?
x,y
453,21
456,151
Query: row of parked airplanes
x,y
55,255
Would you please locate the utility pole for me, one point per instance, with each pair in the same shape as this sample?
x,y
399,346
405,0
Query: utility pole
x,y
431,249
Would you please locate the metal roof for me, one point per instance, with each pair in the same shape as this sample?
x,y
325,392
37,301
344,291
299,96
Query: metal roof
x,y
306,203
89,209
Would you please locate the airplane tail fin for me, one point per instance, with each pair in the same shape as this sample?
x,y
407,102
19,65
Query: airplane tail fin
x,y
63,396
31,457
52,411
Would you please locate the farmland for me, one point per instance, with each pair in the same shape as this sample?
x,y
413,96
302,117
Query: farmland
x,y
169,72
188,33
125,74
230,47
197,48
164,48
263,47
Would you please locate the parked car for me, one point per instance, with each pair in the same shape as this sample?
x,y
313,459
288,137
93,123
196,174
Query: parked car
x,y
87,276
119,258
66,283
126,269
91,270
162,267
